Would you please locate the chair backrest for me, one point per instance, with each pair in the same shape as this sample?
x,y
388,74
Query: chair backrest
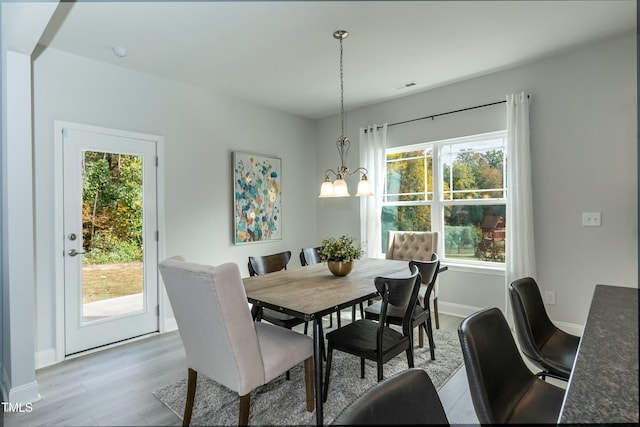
x,y
406,398
411,245
268,263
214,321
401,293
309,256
532,324
496,373
428,273
414,245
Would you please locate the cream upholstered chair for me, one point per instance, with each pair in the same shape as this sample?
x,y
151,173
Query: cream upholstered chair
x,y
419,246
220,338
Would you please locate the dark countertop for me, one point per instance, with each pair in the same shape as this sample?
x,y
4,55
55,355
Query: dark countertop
x,y
603,387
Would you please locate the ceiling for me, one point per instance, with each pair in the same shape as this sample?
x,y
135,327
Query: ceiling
x,y
283,55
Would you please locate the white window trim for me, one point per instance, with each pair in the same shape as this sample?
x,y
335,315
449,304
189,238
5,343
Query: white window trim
x,y
437,202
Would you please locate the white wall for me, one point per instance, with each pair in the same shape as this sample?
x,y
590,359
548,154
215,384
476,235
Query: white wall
x,y
200,130
584,152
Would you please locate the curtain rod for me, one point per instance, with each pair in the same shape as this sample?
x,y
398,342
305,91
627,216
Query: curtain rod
x,y
433,116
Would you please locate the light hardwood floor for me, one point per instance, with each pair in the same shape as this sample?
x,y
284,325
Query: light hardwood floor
x,y
114,386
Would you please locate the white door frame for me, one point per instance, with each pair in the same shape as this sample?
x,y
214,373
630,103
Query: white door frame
x,y
59,224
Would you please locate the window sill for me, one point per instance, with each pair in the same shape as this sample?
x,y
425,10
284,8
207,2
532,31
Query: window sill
x,y
497,270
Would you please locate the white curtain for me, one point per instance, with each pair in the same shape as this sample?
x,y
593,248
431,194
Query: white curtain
x,y
520,249
373,141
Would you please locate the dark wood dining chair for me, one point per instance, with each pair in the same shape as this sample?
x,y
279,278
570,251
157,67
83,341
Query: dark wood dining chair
x,y
309,256
373,340
543,343
503,389
269,264
421,314
416,245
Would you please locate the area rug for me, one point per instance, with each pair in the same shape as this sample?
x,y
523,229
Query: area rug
x,y
282,402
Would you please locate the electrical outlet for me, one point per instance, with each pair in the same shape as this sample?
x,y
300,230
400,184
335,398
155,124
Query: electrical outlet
x,y
549,297
591,219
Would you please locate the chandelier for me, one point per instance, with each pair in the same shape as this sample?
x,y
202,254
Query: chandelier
x,y
338,188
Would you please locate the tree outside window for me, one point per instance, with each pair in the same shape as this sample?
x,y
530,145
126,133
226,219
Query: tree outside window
x,y
466,201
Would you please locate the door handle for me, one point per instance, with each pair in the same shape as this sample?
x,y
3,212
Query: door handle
x,y
73,252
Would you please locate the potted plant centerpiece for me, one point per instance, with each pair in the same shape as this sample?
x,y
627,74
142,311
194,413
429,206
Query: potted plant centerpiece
x,y
339,253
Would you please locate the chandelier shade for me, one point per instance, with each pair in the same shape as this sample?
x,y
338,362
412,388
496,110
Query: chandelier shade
x,y
339,188
364,187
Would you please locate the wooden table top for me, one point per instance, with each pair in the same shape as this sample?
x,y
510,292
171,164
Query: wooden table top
x,y
312,291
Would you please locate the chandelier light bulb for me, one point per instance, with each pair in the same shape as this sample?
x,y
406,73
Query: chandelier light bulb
x,y
340,188
364,188
326,190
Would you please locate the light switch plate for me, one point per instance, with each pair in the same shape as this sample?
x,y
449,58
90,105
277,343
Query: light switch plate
x,y
591,219
549,297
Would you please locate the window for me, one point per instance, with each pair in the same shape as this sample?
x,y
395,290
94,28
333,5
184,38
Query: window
x,y
457,187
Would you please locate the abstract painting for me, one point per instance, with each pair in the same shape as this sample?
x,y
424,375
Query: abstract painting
x,y
257,194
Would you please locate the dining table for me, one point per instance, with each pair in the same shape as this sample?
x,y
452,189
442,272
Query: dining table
x,y
311,292
603,385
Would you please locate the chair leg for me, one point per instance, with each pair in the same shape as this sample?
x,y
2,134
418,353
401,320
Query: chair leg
x,y
306,327
420,336
361,311
435,311
432,345
410,357
327,374
308,384
256,313
331,320
362,367
245,403
191,395
339,319
380,369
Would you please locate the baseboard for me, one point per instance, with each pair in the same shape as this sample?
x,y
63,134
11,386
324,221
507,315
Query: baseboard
x,y
170,325
466,310
3,391
46,358
458,310
26,393
570,328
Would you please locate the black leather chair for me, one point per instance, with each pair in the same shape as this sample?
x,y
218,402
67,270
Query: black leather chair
x,y
545,345
406,398
421,315
269,264
376,341
503,389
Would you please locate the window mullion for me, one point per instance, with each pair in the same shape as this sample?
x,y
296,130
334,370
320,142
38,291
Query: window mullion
x,y
436,208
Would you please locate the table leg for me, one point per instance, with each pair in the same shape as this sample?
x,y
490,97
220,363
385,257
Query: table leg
x,y
318,338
